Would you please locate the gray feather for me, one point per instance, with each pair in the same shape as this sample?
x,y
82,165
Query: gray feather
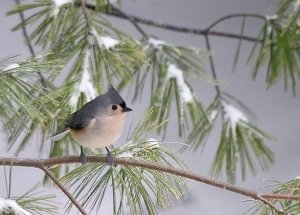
x,y
81,118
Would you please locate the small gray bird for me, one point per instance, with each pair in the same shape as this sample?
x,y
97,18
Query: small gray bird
x,y
99,123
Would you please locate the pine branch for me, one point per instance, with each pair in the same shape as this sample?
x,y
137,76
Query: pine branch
x,y
43,164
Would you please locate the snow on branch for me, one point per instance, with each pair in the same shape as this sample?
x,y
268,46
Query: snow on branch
x,y
105,42
11,207
185,92
85,86
233,115
58,4
11,67
157,44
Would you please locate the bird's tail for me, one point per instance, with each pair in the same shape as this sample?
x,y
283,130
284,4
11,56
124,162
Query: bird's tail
x,y
59,135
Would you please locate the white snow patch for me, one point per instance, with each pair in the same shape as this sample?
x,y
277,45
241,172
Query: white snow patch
x,y
213,115
104,41
8,206
185,92
153,143
58,4
85,86
55,11
233,115
271,17
297,177
127,154
109,42
269,29
11,67
156,43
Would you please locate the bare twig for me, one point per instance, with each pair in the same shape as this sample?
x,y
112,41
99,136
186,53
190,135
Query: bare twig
x,y
24,30
124,15
132,21
209,29
186,29
212,66
39,163
135,19
237,15
28,43
61,186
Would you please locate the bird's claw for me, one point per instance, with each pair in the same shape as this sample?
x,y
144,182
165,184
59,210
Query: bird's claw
x,y
110,158
82,157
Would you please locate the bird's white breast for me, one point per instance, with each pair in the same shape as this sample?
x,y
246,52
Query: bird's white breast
x,y
101,131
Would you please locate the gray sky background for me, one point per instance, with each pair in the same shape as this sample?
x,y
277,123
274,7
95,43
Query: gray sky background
x,y
276,112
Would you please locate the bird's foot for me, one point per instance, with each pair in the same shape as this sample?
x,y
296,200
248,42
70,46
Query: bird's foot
x,y
110,158
82,157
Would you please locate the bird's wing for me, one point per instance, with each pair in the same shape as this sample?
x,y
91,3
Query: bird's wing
x,y
79,119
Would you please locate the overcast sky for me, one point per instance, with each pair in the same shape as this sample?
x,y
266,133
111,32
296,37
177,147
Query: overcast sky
x,y
276,112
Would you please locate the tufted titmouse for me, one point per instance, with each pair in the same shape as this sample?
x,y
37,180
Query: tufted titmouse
x,y
99,123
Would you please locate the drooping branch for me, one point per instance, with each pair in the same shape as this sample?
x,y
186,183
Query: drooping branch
x,y
28,42
60,185
41,163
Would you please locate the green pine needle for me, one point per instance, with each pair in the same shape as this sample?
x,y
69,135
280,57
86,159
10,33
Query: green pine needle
x,y
202,127
168,87
279,50
37,201
288,206
24,97
241,145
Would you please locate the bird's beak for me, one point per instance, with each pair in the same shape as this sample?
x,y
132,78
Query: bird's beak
x,y
127,109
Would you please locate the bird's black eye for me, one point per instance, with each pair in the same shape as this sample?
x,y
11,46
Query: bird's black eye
x,y
114,107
